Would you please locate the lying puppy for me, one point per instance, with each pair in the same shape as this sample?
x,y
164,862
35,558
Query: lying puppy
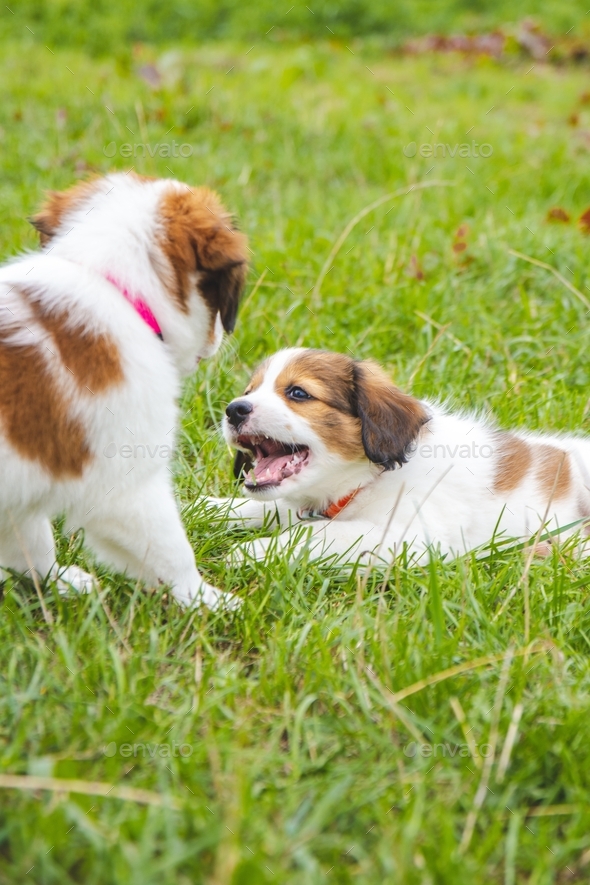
x,y
337,447
135,282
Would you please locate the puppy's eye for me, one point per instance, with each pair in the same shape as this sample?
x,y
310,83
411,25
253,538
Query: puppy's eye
x,y
297,394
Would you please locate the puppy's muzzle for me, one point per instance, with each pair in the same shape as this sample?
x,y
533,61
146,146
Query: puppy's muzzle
x,y
238,411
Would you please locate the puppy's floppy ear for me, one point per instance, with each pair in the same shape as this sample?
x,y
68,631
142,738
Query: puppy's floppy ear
x,y
224,287
242,465
48,219
198,236
390,419
42,222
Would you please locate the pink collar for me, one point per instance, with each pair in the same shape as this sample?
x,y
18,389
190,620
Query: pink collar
x,y
139,305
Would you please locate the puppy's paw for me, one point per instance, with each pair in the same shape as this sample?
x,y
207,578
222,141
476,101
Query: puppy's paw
x,y
218,600
238,513
257,550
73,580
210,597
210,501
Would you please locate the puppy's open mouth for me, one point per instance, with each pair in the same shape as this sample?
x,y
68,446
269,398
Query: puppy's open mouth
x,y
273,461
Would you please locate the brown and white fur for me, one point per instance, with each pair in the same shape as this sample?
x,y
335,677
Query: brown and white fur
x,y
315,428
82,376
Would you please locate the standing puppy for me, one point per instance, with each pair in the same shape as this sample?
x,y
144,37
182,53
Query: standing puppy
x,y
136,281
330,443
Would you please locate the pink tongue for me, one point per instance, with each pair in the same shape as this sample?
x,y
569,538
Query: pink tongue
x,y
275,465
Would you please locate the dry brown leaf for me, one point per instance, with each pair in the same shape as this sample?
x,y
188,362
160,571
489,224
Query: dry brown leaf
x,y
558,214
414,269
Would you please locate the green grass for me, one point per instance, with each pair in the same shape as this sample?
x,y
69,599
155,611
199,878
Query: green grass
x,y
300,767
106,28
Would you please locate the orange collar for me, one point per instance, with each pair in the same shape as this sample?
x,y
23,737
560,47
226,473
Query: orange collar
x,y
332,510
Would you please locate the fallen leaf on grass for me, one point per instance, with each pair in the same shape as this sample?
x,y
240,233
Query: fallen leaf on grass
x,y
414,270
460,244
477,44
532,39
526,38
558,214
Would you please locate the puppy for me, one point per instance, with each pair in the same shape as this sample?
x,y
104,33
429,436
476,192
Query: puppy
x,y
327,442
136,281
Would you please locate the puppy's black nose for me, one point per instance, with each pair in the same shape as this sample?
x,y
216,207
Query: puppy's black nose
x,y
238,411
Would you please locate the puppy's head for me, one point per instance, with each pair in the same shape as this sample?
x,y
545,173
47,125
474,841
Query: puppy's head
x,y
310,419
173,245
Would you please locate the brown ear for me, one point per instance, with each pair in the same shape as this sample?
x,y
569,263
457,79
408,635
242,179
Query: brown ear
x,y
242,465
49,217
57,205
390,419
224,288
44,224
198,236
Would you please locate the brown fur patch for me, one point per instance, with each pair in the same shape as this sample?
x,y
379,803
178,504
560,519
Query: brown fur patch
x,y
328,378
257,378
513,463
34,414
92,358
198,237
58,205
355,410
553,472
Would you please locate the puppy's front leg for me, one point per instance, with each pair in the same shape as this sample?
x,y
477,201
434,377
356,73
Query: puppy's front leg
x,y
350,538
246,513
26,545
142,534
323,538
